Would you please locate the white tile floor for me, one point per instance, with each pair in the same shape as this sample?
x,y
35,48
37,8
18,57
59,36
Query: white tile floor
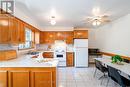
x,y
81,77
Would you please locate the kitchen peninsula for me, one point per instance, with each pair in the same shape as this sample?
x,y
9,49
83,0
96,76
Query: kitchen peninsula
x,y
28,72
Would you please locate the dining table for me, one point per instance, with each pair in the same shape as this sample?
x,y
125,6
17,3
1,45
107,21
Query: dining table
x,y
123,67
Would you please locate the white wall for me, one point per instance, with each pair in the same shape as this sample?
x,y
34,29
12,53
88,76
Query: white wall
x,y
115,37
92,38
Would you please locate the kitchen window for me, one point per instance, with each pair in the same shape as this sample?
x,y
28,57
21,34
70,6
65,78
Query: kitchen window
x,y
28,38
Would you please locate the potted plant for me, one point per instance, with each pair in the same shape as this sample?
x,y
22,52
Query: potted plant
x,y
117,59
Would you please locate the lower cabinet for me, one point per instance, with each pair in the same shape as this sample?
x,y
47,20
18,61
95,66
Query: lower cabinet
x,y
70,59
3,79
18,79
41,79
28,77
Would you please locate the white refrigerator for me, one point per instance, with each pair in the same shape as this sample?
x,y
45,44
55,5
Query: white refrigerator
x,y
81,52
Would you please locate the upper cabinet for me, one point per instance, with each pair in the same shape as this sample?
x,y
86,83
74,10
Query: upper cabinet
x,y
11,30
81,34
69,37
49,37
4,29
60,35
21,32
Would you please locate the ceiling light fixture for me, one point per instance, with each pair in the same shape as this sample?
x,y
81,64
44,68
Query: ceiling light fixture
x,y
96,22
53,21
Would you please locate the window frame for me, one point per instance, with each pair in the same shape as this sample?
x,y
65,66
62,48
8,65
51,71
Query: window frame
x,y
26,40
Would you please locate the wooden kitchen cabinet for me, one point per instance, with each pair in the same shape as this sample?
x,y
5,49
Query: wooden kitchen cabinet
x,y
11,30
28,77
47,37
41,79
60,35
70,59
8,54
17,31
69,37
4,29
81,34
51,37
21,32
19,79
3,79
48,54
42,38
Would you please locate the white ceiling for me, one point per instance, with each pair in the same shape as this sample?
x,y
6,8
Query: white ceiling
x,y
72,13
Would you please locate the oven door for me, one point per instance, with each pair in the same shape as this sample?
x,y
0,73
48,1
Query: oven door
x,y
59,56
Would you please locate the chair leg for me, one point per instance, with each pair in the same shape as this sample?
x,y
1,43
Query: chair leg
x,y
107,82
101,81
95,72
102,78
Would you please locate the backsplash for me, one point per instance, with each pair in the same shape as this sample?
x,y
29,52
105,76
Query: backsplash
x,y
45,47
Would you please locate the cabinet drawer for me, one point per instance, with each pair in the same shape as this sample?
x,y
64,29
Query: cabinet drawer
x,y
48,54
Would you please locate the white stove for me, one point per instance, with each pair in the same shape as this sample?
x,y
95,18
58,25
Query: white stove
x,y
60,52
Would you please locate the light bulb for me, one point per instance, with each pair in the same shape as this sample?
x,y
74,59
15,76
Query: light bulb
x,y
53,22
96,23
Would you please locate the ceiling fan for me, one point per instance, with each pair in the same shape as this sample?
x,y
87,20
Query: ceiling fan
x,y
98,20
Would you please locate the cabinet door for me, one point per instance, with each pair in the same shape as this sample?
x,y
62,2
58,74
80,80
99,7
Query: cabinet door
x,y
51,37
69,37
21,32
13,27
4,29
70,59
83,34
47,37
19,79
60,35
41,79
3,79
42,37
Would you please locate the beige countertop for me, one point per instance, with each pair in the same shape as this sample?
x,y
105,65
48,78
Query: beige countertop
x,y
53,51
27,61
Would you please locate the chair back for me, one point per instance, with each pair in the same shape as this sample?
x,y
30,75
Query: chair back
x,y
99,66
115,75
